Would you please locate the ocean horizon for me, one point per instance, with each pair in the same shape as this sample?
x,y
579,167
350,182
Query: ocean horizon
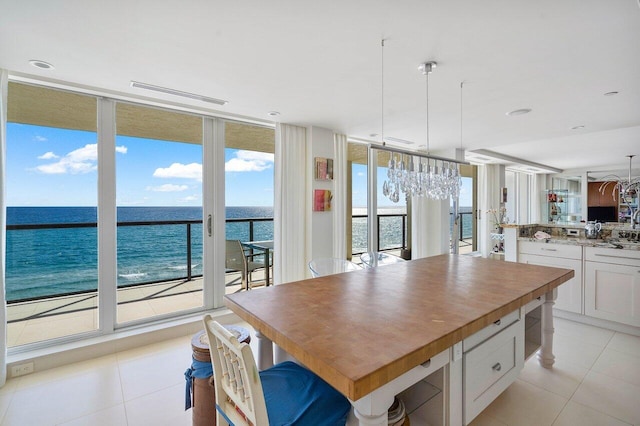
x,y
62,260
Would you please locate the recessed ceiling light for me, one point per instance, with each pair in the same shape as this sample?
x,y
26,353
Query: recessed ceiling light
x,y
273,113
519,111
611,93
580,127
177,93
398,140
41,64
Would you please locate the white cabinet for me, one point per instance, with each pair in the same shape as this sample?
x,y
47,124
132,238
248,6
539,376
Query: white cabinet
x,y
612,285
558,256
490,367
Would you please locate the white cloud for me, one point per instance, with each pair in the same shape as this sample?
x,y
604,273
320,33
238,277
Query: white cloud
x,y
38,138
179,170
167,187
189,198
360,174
48,156
79,161
249,161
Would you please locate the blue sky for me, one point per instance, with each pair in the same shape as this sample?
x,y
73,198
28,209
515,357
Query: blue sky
x,y
58,167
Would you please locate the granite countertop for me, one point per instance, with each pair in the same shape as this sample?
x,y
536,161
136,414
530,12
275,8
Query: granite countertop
x,y
585,242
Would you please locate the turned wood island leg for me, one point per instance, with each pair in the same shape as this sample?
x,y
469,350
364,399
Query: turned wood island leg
x,y
265,352
545,353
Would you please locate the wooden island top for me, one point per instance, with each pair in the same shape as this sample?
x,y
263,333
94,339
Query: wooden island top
x,y
359,330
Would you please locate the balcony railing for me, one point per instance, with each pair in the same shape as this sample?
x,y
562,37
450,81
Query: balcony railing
x,y
392,236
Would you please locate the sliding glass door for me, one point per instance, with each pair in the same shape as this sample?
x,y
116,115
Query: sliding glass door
x,y
159,212
52,244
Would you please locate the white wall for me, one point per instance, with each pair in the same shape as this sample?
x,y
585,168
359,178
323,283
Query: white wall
x,y
320,231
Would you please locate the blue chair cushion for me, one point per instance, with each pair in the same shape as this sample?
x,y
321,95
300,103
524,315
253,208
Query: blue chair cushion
x,y
296,396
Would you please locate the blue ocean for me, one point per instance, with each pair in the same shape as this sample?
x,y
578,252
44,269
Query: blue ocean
x,y
61,260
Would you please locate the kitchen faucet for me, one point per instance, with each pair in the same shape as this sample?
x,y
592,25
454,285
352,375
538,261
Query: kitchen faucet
x,y
634,218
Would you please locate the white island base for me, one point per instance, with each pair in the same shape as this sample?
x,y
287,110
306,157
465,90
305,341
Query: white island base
x,y
466,377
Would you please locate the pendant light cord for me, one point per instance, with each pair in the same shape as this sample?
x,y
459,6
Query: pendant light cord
x,y
427,96
461,84
382,91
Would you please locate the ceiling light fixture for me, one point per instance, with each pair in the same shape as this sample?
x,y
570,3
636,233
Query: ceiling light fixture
x,y
521,111
436,178
485,153
626,189
41,64
398,140
175,92
273,113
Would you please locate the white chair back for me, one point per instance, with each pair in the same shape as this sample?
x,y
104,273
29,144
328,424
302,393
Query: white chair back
x,y
236,378
375,258
330,265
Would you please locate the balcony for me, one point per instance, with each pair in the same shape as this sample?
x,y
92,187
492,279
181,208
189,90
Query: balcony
x,y
57,315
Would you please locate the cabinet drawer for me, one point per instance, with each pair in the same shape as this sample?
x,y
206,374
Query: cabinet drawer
x,y
476,338
566,251
615,256
490,368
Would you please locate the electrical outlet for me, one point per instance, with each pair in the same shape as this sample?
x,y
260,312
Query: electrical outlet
x,y
22,369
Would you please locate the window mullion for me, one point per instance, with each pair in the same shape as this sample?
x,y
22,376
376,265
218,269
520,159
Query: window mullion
x,y
107,222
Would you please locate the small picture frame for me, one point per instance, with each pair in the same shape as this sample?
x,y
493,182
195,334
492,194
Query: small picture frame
x,y
324,168
322,200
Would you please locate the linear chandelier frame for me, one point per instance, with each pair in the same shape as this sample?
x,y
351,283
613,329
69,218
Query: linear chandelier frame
x,y
417,154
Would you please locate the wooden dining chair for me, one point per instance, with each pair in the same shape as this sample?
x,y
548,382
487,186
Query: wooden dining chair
x,y
285,394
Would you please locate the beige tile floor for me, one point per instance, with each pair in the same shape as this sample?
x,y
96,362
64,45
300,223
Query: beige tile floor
x,y
595,381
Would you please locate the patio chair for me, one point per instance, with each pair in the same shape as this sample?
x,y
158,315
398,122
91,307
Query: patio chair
x,y
375,258
238,260
331,265
284,394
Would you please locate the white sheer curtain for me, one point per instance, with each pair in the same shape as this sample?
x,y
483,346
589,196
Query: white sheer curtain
x,y
538,185
429,227
339,205
488,198
4,79
289,213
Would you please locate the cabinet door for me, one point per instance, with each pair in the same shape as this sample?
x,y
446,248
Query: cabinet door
x,y
570,292
612,292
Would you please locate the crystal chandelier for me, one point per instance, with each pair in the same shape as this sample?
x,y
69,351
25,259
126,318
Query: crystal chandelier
x,y
418,175
626,190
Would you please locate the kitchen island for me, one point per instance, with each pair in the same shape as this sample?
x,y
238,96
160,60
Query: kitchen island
x,y
375,332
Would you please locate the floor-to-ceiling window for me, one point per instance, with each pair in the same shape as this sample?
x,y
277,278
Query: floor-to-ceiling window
x,y
159,212
249,195
357,233
83,170
391,205
519,192
51,184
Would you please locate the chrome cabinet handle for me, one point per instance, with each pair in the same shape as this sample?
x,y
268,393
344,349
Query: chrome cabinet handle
x,y
427,363
497,367
209,225
498,322
548,249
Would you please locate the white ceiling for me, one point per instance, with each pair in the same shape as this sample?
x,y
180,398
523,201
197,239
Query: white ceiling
x,y
320,63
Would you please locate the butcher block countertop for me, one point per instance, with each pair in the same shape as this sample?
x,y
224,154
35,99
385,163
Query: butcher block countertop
x,y
359,330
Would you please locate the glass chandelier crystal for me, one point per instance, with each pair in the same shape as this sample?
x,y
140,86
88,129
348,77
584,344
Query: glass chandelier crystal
x,y
626,189
421,177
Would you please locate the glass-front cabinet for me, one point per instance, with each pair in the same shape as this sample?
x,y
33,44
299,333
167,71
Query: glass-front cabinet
x,y
562,206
